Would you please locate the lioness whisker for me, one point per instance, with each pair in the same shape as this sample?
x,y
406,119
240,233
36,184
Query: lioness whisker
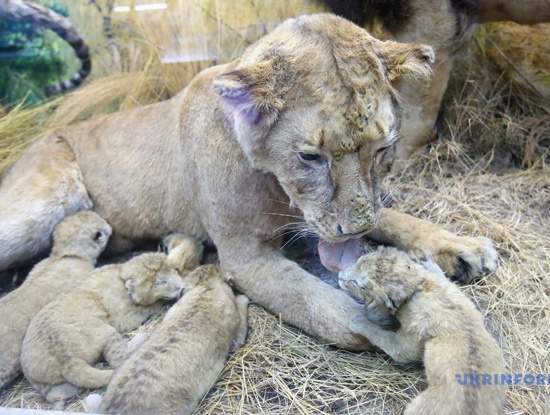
x,y
279,201
295,238
282,214
287,226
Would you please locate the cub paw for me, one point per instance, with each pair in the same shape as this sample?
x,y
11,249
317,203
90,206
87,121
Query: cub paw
x,y
382,316
465,258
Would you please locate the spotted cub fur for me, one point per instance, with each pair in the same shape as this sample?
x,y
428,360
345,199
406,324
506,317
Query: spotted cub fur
x,y
78,240
73,332
176,367
436,323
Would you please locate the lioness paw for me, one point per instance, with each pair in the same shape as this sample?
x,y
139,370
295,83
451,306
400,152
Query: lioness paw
x,y
466,258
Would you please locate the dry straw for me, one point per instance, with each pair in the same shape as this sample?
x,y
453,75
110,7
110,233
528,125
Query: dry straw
x,y
487,176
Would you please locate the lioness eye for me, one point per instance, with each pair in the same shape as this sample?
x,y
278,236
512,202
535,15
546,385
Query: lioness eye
x,y
308,157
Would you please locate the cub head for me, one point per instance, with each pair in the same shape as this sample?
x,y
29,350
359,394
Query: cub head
x,y
150,278
383,280
202,275
184,252
314,103
84,234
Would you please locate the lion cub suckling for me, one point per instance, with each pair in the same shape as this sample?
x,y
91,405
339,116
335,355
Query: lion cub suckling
x,y
73,332
78,241
183,357
437,324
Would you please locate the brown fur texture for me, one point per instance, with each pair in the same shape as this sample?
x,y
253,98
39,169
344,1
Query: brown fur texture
x,y
439,325
74,331
78,241
298,127
182,359
443,24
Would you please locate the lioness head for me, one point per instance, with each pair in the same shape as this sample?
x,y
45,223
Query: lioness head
x,y
314,104
84,234
150,278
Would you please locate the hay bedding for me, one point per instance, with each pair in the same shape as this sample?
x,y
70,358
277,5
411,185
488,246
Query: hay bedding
x,y
470,184
283,371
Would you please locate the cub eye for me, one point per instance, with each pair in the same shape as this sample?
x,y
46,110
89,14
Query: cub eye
x,y
310,157
97,236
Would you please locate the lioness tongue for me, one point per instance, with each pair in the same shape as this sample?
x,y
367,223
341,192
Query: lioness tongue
x,y
338,256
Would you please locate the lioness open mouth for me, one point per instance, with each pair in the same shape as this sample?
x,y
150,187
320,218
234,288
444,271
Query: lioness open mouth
x,y
336,256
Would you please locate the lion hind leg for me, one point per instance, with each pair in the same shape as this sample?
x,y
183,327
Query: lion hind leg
x,y
240,338
58,394
81,374
36,193
116,349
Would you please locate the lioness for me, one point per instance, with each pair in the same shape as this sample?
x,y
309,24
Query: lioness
x,y
184,356
299,126
74,331
78,240
438,325
443,24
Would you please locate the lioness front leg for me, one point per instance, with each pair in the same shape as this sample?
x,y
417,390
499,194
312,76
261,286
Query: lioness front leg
x,y
300,298
460,257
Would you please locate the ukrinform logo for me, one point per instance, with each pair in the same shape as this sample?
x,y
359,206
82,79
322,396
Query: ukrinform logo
x,y
484,379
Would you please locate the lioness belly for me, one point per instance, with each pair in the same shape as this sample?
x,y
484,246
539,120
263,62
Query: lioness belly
x,y
134,169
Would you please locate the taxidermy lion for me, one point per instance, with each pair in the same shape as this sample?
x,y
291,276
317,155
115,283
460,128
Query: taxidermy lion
x,y
182,359
302,124
78,241
74,331
438,325
445,25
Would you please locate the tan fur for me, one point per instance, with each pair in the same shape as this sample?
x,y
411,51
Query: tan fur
x,y
460,256
224,160
77,243
437,23
184,356
73,332
439,325
184,252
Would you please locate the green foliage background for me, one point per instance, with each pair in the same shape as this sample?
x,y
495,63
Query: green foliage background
x,y
31,58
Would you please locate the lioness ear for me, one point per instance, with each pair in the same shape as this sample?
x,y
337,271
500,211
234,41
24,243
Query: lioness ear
x,y
255,97
407,59
252,91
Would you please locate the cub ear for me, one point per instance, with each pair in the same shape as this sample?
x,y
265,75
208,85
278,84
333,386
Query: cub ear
x,y
130,284
129,281
253,92
411,60
229,279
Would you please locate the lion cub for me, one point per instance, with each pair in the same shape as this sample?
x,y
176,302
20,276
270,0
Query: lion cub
x,y
71,334
438,324
184,356
78,241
